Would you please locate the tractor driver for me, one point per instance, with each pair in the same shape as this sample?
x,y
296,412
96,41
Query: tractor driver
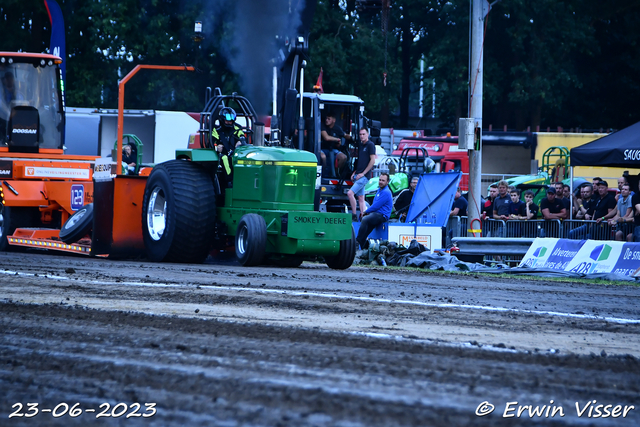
x,y
227,136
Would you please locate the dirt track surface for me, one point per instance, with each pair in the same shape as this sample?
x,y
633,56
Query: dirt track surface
x,y
219,344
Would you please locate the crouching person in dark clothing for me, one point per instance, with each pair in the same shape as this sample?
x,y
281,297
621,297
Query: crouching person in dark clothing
x,y
378,213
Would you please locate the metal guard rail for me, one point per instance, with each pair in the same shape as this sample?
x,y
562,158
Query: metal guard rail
x,y
492,245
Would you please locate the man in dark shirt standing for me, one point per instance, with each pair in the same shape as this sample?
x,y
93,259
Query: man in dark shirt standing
x,y
501,208
560,197
362,174
487,208
501,202
605,207
586,208
551,207
516,205
528,210
460,204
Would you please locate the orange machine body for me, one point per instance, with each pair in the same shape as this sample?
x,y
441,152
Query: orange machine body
x,y
55,186
41,186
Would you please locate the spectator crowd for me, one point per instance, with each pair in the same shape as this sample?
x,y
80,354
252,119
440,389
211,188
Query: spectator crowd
x,y
595,211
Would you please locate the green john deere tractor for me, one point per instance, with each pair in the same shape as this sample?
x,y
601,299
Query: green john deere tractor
x,y
266,211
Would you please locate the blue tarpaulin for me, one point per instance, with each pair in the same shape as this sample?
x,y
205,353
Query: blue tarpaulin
x,y
433,197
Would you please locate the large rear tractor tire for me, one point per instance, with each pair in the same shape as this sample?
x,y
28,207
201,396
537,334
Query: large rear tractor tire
x,y
345,256
178,213
78,225
251,240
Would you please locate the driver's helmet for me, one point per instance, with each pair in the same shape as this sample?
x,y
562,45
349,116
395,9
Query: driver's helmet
x,y
227,113
429,165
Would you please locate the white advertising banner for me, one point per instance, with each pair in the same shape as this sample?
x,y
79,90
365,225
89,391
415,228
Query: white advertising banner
x,y
539,253
584,256
596,257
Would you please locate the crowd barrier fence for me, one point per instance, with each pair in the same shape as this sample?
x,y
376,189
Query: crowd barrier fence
x,y
562,229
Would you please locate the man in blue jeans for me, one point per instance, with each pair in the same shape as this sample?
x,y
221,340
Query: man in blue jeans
x,y
378,213
362,174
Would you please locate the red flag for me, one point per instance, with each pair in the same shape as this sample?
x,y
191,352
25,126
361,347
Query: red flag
x,y
318,86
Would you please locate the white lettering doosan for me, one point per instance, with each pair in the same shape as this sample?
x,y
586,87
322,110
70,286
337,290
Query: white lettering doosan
x,y
29,131
632,154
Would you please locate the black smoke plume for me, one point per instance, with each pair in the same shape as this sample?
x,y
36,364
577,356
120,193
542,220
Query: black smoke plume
x,y
250,28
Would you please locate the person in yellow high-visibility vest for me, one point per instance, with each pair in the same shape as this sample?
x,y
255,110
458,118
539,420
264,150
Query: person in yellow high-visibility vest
x,y
227,136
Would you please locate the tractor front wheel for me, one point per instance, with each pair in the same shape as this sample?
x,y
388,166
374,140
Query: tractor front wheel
x,y
251,240
345,256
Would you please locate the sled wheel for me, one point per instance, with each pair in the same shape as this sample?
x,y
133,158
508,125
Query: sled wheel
x,y
178,212
78,225
251,240
345,256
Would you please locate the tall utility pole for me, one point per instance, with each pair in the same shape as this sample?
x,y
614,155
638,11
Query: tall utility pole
x,y
478,9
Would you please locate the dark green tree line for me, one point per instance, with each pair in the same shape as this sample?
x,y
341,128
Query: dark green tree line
x,y
546,63
570,63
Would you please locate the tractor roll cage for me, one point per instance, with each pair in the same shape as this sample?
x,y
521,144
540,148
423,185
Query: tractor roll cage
x,y
212,108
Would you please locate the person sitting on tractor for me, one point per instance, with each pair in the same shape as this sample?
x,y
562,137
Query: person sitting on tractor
x,y
129,159
332,135
227,136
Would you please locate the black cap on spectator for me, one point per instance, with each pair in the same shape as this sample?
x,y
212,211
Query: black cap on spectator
x,y
603,183
551,190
